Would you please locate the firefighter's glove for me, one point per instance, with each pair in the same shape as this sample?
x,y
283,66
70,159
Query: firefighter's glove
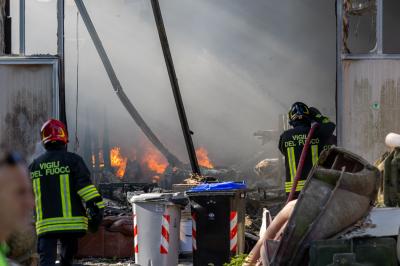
x,y
95,217
314,112
317,117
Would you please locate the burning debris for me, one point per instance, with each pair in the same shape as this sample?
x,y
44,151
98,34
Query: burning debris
x,y
202,157
149,167
144,163
118,162
154,160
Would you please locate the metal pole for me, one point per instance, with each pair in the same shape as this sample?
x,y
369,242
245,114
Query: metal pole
x,y
379,26
61,56
7,29
60,27
172,159
175,87
22,27
339,70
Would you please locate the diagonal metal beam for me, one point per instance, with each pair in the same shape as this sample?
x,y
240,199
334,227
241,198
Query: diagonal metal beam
x,y
172,159
175,86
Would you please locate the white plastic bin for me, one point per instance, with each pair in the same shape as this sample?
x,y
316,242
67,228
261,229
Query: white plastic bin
x,y
186,236
156,229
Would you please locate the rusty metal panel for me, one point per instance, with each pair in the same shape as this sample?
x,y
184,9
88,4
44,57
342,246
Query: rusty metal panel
x,y
29,96
370,105
106,244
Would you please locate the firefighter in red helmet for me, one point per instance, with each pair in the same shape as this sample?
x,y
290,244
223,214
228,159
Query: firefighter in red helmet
x,y
54,131
64,196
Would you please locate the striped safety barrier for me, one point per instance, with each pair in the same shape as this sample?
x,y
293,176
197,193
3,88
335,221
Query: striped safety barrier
x,y
164,246
233,231
194,232
135,234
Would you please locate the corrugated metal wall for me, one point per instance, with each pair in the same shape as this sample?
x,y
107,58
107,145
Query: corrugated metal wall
x,y
26,102
371,105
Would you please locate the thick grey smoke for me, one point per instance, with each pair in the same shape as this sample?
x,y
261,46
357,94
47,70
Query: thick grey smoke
x,y
240,65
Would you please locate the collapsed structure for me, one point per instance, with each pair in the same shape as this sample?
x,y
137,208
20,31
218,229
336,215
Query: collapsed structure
x,y
367,89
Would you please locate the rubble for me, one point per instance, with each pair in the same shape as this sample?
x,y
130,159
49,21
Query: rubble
x,y
119,262
175,175
114,208
118,192
106,262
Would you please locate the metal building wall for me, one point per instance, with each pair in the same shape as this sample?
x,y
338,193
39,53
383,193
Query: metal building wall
x,y
368,84
371,104
28,98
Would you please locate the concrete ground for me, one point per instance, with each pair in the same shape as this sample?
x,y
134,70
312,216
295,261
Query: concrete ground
x,y
108,262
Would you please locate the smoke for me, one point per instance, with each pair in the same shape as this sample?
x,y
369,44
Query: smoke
x,y
240,65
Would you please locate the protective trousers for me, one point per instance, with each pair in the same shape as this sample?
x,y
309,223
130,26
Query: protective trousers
x,y
47,249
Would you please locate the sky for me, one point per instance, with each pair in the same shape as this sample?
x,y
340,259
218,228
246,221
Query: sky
x,y
240,66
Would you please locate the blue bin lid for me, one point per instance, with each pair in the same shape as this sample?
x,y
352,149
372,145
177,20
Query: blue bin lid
x,y
219,186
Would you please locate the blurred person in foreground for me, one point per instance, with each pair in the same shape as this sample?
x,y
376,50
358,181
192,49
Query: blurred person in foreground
x,y
16,201
61,184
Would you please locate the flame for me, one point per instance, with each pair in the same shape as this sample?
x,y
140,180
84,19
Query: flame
x,y
154,160
118,161
202,157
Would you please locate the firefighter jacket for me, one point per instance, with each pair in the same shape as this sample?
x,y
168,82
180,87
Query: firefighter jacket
x,y
291,145
61,184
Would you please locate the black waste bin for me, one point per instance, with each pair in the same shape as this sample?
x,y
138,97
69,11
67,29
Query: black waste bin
x,y
218,215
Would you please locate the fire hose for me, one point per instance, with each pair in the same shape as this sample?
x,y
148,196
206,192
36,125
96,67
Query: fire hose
x,y
302,161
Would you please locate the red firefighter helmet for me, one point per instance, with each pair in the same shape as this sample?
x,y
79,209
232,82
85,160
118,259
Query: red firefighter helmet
x,y
54,130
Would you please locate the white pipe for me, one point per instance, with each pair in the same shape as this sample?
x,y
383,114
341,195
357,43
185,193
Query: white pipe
x,y
392,140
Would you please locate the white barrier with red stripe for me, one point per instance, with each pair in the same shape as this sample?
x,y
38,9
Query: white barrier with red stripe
x,y
233,231
194,232
135,234
156,229
164,245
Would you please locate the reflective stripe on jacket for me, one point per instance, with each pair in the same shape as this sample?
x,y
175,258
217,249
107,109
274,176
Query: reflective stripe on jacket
x,y
291,144
61,183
